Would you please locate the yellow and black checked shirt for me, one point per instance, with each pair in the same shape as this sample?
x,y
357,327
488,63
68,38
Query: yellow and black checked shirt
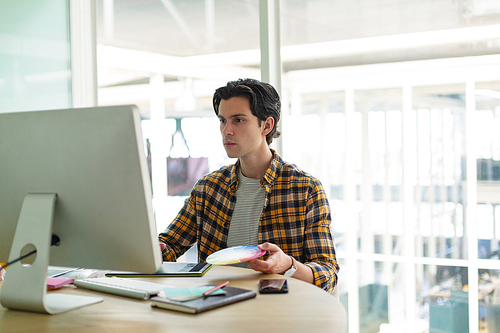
x,y
296,217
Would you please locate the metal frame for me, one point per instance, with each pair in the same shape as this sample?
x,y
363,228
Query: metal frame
x,y
83,52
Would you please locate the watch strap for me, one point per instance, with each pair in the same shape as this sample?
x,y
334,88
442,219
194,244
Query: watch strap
x,y
291,271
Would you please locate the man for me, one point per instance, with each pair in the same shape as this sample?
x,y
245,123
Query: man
x,y
260,200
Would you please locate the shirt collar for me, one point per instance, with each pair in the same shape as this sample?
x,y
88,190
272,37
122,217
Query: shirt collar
x,y
272,172
269,177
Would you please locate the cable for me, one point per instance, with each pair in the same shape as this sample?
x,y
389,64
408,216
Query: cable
x,y
55,241
20,258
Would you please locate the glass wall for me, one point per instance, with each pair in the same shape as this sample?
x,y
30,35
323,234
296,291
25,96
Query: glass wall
x,y
410,149
35,66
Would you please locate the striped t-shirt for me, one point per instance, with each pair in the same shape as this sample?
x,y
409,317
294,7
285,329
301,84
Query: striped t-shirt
x,y
244,225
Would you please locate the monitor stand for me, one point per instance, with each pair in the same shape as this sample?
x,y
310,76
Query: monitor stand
x,y
25,286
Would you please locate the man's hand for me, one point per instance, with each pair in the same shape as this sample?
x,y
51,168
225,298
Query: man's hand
x,y
277,262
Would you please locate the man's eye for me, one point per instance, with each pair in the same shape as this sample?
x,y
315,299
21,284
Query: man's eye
x,y
222,121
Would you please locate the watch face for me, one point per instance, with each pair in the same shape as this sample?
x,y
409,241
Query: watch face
x,y
290,272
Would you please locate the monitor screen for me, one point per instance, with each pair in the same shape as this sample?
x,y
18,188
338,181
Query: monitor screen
x,y
93,161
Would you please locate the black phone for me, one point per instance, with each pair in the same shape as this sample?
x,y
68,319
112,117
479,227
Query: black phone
x,y
273,286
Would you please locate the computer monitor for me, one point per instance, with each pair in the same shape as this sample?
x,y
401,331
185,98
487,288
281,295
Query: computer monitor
x,y
82,175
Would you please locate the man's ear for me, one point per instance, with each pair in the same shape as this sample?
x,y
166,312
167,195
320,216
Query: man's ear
x,y
267,125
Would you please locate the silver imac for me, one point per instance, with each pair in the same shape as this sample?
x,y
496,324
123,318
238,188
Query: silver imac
x,y
82,175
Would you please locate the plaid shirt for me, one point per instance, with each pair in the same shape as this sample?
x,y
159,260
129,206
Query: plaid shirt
x,y
296,217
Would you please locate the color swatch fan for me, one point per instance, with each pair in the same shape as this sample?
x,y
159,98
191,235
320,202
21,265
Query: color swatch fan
x,y
233,255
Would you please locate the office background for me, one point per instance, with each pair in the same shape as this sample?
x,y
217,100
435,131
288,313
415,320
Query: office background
x,y
394,105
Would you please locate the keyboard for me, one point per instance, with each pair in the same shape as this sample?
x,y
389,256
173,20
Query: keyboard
x,y
121,286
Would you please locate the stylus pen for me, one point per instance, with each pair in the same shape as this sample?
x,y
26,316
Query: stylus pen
x,y
217,287
66,272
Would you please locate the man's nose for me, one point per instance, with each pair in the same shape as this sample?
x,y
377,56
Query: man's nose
x,y
227,130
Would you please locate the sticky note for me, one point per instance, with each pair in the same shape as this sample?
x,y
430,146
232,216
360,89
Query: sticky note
x,y
54,283
188,293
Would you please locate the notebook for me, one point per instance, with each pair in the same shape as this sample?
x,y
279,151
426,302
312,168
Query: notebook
x,y
198,305
169,269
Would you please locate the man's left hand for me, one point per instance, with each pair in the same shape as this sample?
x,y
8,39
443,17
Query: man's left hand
x,y
277,262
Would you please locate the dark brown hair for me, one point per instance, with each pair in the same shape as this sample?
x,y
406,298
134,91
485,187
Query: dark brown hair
x,y
263,98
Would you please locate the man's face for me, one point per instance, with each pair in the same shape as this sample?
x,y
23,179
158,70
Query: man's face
x,y
242,132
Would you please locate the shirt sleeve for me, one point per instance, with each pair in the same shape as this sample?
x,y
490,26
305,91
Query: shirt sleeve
x,y
180,235
319,246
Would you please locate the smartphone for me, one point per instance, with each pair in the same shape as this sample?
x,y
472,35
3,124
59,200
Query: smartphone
x,y
273,286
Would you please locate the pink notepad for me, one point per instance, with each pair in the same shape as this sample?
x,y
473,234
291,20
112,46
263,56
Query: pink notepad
x,y
54,282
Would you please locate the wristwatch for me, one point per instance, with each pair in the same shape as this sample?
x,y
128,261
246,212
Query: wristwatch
x,y
291,271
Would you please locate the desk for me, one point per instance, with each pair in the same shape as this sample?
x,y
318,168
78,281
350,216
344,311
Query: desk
x,y
306,308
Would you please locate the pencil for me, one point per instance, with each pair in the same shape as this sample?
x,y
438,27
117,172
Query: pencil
x,y
208,292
